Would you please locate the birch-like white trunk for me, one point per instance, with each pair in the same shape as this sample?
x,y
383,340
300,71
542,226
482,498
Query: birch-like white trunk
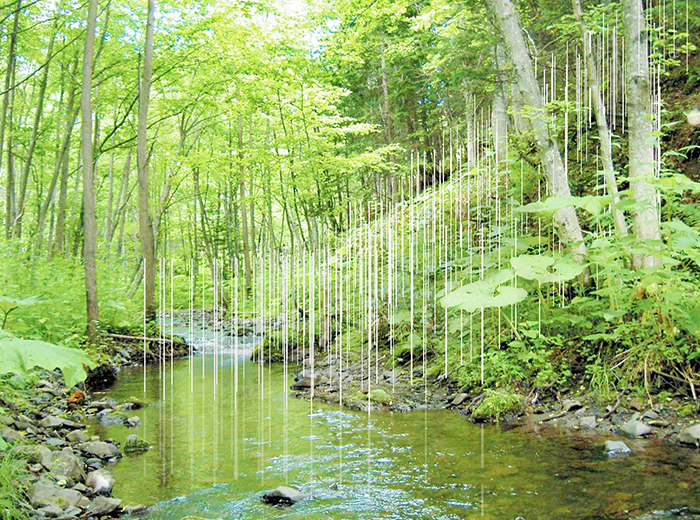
x,y
565,220
645,218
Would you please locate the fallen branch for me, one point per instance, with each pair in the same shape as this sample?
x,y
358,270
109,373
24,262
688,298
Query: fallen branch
x,y
552,417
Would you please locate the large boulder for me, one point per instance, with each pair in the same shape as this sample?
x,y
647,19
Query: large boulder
x,y
46,494
690,435
62,463
100,449
283,496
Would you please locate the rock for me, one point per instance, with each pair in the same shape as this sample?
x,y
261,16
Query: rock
x,y
55,442
100,449
52,422
136,510
104,506
46,494
109,417
616,448
101,405
636,404
10,435
283,496
101,481
62,463
101,378
51,511
459,399
569,405
132,422
690,435
134,444
588,422
650,415
77,436
305,383
635,429
6,421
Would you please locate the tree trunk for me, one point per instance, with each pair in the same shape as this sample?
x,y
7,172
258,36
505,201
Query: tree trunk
x,y
601,118
645,216
9,189
499,117
242,205
89,219
35,131
145,225
565,220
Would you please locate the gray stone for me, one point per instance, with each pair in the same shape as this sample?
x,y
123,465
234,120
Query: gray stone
x,y
588,422
617,448
100,449
136,510
690,435
104,506
650,415
635,429
77,436
10,435
111,417
51,421
55,442
283,496
46,494
132,422
459,399
101,481
51,511
306,382
569,405
63,463
6,421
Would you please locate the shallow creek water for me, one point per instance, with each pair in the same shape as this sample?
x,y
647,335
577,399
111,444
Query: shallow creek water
x,y
215,450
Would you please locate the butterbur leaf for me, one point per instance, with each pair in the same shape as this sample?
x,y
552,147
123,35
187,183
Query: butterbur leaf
x,y
545,268
485,293
21,356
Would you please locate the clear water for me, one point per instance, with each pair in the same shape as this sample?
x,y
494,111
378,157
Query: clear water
x,y
216,450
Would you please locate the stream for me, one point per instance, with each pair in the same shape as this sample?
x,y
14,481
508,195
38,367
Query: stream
x,y
215,449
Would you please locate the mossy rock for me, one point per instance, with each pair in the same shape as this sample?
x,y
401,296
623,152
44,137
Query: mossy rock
x,y
134,444
380,396
376,396
497,404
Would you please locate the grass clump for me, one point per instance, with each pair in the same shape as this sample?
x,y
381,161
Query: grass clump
x,y
496,404
13,504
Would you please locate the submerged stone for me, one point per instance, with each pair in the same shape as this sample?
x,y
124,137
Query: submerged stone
x,y
134,444
283,496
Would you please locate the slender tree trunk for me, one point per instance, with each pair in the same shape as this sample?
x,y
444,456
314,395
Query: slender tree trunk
x,y
244,217
565,220
145,224
89,219
601,118
645,216
35,131
9,189
499,117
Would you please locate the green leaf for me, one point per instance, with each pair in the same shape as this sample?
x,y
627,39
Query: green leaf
x,y
590,203
485,293
545,268
21,356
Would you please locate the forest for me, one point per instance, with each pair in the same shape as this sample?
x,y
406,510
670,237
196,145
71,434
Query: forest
x,y
380,208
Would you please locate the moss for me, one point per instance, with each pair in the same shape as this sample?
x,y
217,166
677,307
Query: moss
x,y
496,404
380,396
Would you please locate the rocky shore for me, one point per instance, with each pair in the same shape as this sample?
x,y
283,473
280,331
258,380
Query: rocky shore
x,y
45,426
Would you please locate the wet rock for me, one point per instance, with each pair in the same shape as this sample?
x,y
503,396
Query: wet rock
x,y
617,448
10,435
459,399
283,496
62,463
52,422
569,405
101,405
100,481
110,417
77,436
46,494
306,382
588,422
690,435
134,444
100,449
104,506
132,422
635,429
137,510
